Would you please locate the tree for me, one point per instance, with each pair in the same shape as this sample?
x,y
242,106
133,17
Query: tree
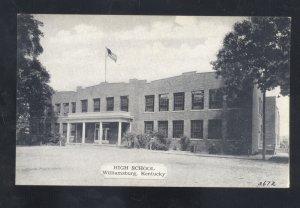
x,y
33,91
257,53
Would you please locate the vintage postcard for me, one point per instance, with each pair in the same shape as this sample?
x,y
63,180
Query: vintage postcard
x,y
164,101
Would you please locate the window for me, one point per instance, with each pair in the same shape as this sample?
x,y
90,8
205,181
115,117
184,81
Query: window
x,y
148,126
65,127
96,104
124,103
215,129
56,128
110,103
163,127
163,102
73,107
66,108
57,108
197,129
84,104
198,100
177,129
149,103
178,101
215,99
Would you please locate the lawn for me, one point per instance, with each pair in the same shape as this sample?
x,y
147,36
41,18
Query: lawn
x,y
81,165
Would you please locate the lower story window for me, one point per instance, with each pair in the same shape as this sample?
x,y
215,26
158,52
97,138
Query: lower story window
x,y
215,129
197,129
65,127
178,129
56,128
148,126
163,127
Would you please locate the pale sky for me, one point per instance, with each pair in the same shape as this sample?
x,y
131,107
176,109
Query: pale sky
x,y
147,47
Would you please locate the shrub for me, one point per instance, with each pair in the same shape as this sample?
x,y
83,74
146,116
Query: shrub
x,y
53,139
159,141
185,143
213,149
129,139
142,141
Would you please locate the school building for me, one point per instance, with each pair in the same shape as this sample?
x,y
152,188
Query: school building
x,y
190,104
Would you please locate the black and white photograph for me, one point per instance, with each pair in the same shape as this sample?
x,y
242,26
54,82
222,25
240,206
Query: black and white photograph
x,y
153,101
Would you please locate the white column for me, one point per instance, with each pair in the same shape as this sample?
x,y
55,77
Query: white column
x,y
119,133
68,132
83,133
60,128
130,126
100,133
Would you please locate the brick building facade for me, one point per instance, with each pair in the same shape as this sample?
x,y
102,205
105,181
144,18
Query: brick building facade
x,y
190,104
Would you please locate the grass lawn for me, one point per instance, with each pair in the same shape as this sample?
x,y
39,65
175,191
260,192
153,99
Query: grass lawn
x,y
81,165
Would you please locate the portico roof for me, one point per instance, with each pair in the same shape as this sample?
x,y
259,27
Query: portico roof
x,y
98,116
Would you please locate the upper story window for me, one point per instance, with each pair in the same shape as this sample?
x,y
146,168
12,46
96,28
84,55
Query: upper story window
x,y
73,107
57,108
178,101
163,102
178,127
124,103
197,129
149,103
215,129
148,126
96,104
84,105
66,108
215,99
198,100
110,103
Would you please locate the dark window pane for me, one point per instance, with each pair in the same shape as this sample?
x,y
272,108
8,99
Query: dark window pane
x,y
197,129
163,102
197,100
163,127
97,105
148,126
84,104
215,99
73,107
57,108
149,103
66,108
177,129
179,101
56,130
65,125
124,103
110,103
214,129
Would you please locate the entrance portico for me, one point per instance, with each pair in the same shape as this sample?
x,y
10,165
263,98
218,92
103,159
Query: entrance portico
x,y
97,127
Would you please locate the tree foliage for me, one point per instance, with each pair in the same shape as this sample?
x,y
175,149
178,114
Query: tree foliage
x,y
33,91
257,51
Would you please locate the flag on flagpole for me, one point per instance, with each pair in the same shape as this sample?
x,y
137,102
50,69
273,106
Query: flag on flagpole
x,y
111,55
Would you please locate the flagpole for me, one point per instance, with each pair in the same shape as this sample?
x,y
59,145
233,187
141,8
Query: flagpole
x,y
105,62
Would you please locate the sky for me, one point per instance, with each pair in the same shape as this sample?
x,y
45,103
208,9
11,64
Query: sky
x,y
147,47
